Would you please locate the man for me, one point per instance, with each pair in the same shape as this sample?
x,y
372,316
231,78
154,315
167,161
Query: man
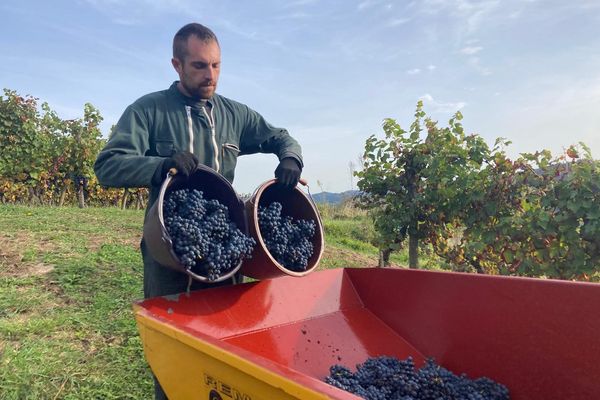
x,y
183,126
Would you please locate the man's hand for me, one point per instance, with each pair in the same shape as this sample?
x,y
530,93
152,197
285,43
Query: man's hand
x,y
184,162
288,172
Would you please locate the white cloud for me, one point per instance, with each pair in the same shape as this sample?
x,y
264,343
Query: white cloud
x,y
93,41
397,21
128,12
475,13
299,3
475,63
551,112
588,5
431,67
471,14
515,14
366,4
414,71
471,50
440,106
295,15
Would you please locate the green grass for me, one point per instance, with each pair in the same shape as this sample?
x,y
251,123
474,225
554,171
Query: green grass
x,y
68,277
356,234
67,281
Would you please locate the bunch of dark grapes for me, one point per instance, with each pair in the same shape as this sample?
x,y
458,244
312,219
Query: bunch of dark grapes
x,y
387,378
288,240
80,180
204,239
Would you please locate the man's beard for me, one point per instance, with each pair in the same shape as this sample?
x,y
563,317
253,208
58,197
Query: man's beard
x,y
200,92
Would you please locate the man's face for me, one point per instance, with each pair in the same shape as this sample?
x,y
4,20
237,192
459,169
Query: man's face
x,y
199,72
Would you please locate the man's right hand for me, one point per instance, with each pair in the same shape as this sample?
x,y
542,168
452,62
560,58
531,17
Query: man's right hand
x,y
184,162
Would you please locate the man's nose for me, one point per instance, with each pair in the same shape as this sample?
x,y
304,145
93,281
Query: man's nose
x,y
211,74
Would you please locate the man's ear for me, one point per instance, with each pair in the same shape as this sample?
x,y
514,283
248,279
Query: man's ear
x,y
176,64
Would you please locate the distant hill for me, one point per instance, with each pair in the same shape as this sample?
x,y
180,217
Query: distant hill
x,y
333,198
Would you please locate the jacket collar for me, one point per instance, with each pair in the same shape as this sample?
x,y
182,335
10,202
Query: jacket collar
x,y
188,101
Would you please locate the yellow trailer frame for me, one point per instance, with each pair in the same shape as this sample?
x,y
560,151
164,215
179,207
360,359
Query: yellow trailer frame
x,y
192,367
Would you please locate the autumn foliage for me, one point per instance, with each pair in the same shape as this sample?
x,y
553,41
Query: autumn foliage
x,y
479,210
48,160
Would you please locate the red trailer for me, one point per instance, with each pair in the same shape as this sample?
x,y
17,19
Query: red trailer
x,y
277,338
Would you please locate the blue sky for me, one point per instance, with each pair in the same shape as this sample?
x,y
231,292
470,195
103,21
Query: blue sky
x,y
328,71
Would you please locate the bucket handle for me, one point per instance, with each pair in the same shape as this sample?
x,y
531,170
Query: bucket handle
x,y
301,181
304,182
163,189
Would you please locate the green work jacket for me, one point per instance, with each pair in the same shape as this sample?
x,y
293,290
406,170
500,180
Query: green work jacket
x,y
162,123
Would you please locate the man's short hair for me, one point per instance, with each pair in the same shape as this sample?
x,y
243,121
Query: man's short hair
x,y
182,35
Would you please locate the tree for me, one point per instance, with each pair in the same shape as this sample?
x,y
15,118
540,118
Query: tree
x,y
83,146
477,209
26,148
414,185
42,155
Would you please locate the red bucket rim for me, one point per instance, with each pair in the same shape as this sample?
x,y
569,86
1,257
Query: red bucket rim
x,y
255,200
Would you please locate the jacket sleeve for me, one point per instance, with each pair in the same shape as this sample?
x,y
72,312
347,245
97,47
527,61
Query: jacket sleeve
x,y
123,161
259,136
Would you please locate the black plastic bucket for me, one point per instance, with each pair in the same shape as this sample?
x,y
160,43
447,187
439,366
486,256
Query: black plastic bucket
x,y
296,204
214,186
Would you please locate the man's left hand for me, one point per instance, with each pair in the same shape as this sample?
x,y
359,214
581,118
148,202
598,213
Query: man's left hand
x,y
288,172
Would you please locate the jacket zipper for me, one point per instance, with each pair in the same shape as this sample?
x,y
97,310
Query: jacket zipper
x,y
211,122
188,111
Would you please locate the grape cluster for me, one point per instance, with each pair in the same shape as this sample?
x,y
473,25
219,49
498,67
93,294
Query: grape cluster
x,y
204,239
388,378
79,180
287,239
